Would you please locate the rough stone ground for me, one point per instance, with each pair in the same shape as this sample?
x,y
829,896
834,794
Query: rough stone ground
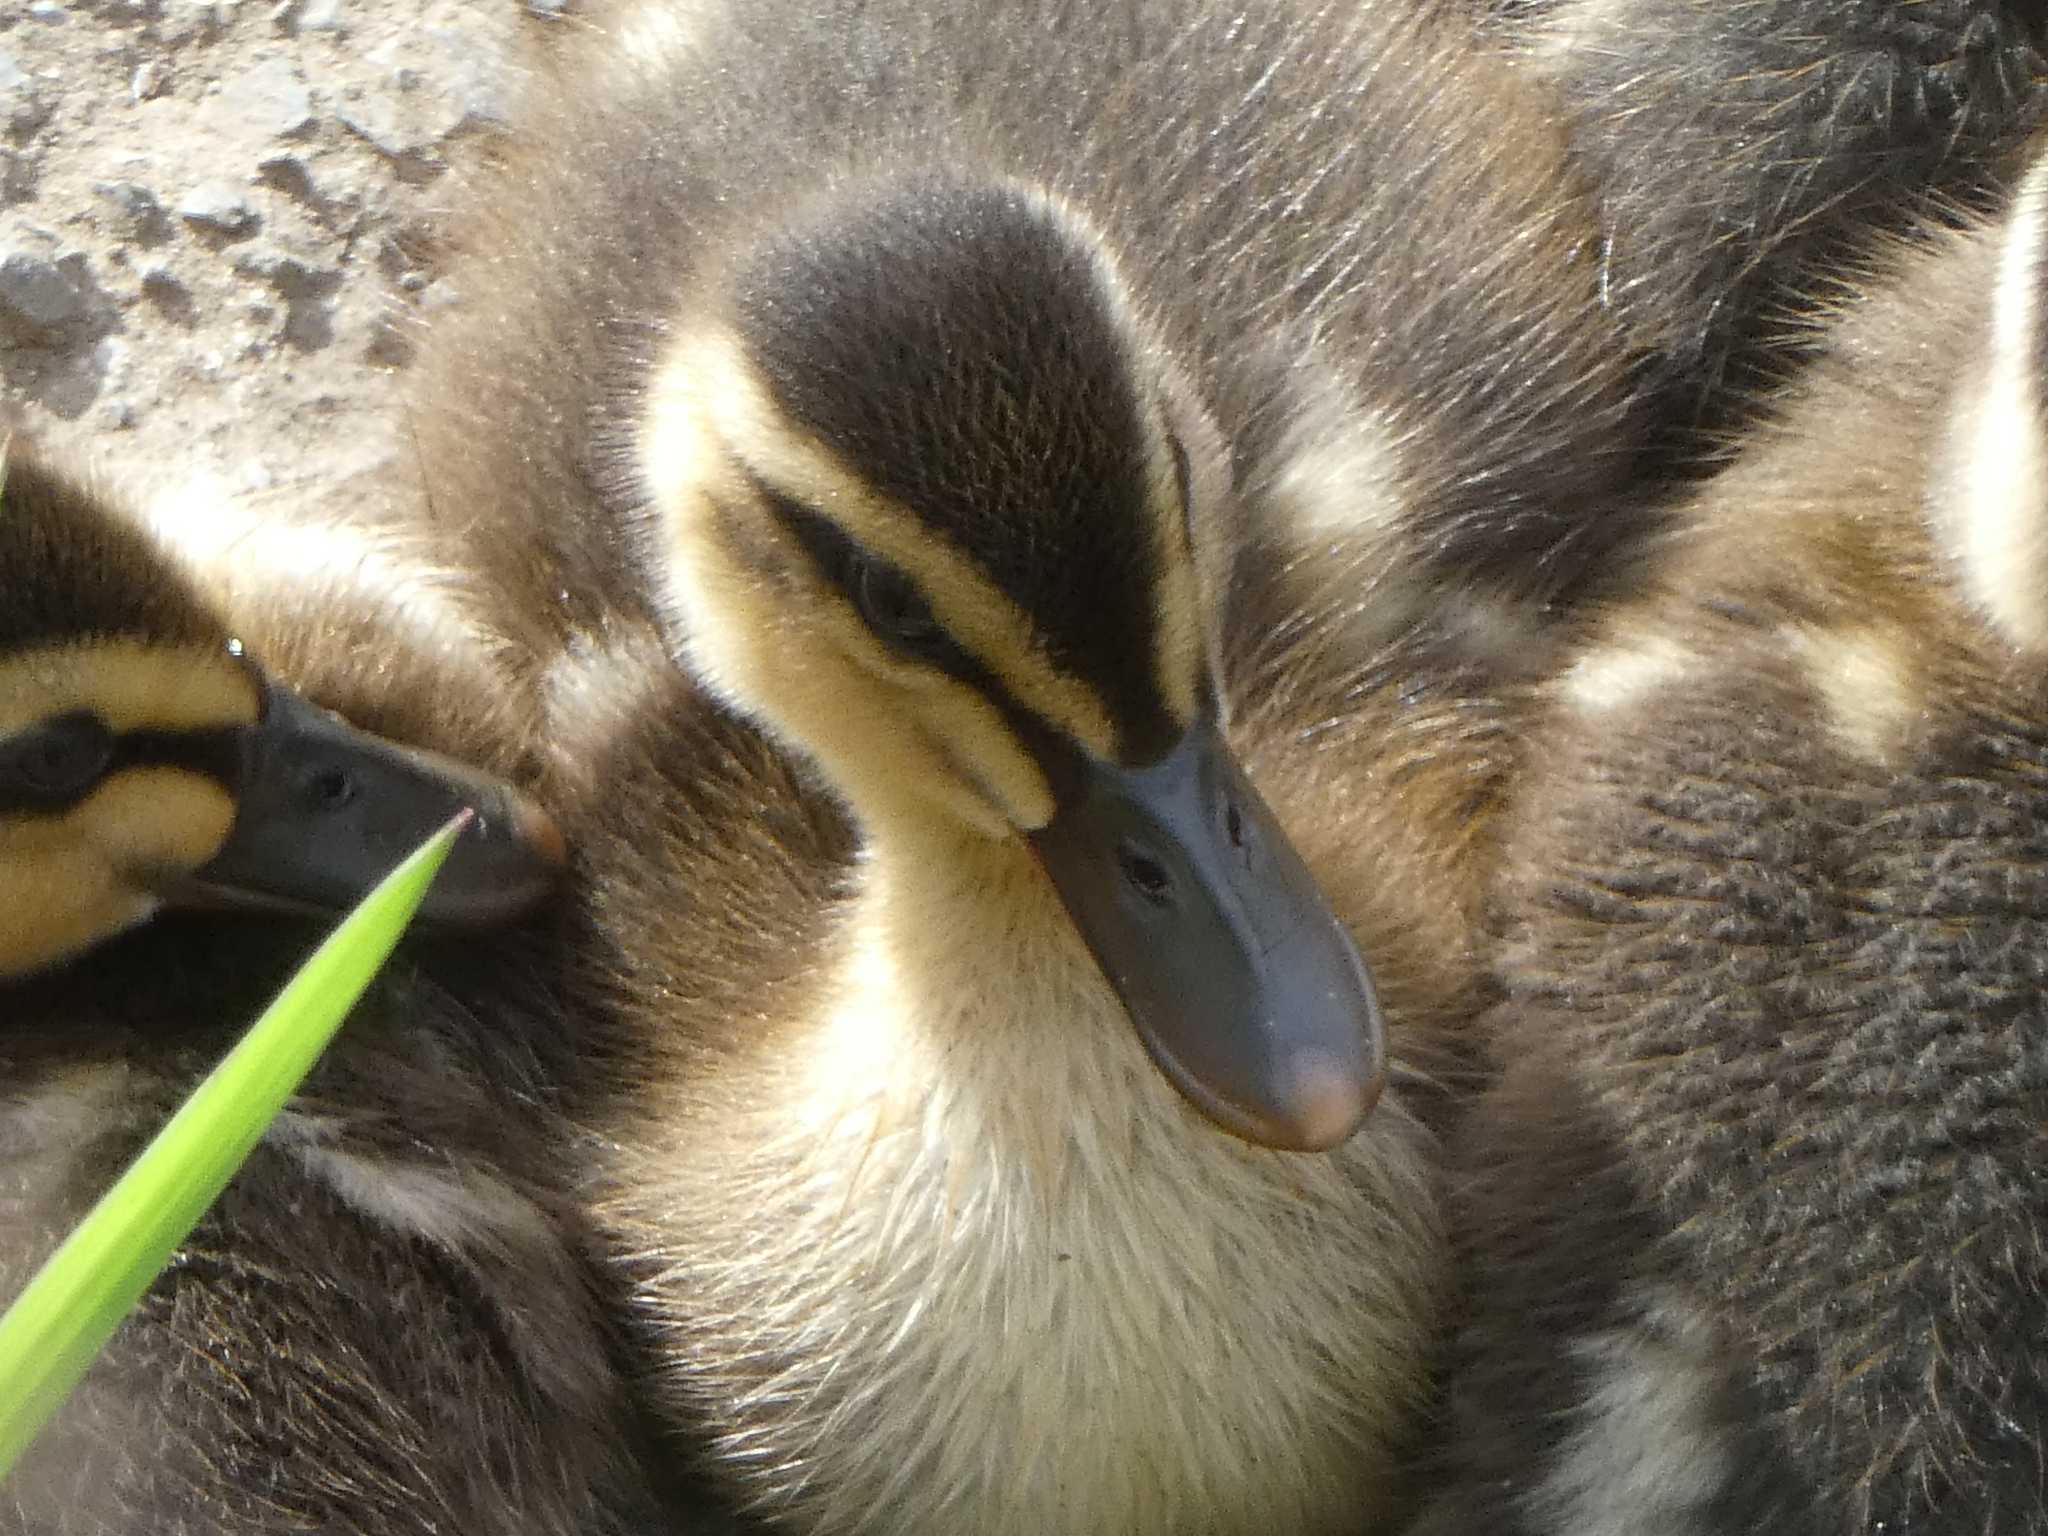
x,y
213,212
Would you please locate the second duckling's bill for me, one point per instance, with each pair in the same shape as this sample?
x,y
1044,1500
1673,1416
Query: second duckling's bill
x,y
324,809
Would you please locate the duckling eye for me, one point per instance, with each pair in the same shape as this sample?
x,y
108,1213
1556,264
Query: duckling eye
x,y
56,762
887,601
894,609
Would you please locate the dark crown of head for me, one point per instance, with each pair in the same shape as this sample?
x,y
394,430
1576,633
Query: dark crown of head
x,y
73,569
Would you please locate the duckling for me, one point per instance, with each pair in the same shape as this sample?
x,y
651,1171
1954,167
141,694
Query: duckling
x,y
384,1325
1044,437
1756,1229
1747,152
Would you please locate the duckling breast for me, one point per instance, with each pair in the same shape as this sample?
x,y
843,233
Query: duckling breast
x,y
974,1264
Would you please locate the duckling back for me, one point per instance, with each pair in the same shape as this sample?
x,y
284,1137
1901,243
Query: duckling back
x,y
1746,152
382,1325
1755,1236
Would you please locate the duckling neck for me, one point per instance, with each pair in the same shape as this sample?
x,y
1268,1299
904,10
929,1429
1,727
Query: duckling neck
x,y
964,994
966,932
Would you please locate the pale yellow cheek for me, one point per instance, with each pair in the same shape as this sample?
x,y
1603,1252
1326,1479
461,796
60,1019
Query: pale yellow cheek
x,y
59,904
977,742
889,746
153,817
73,880
899,739
875,743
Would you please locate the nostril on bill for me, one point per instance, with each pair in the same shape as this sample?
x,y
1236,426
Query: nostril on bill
x,y
330,789
1146,874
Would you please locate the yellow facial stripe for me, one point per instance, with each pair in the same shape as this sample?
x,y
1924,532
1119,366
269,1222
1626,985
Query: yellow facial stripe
x,y
685,467
80,877
148,818
129,684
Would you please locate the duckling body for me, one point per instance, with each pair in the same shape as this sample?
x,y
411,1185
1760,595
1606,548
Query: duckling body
x,y
1747,153
948,395
911,1288
1756,1233
383,1326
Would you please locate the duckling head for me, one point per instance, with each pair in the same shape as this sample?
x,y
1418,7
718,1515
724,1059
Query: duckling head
x,y
926,491
146,760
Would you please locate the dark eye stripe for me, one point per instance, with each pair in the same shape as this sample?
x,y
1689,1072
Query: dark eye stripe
x,y
1184,484
212,752
56,761
891,605
216,753
839,561
857,575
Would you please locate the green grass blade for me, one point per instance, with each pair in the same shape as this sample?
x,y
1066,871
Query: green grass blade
x,y
77,1299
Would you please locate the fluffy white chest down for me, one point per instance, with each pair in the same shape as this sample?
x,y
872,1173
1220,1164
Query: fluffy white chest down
x,y
978,1269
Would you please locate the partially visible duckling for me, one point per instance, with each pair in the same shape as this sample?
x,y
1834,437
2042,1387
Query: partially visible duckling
x,y
145,757
946,389
1756,1225
1748,151
383,1326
